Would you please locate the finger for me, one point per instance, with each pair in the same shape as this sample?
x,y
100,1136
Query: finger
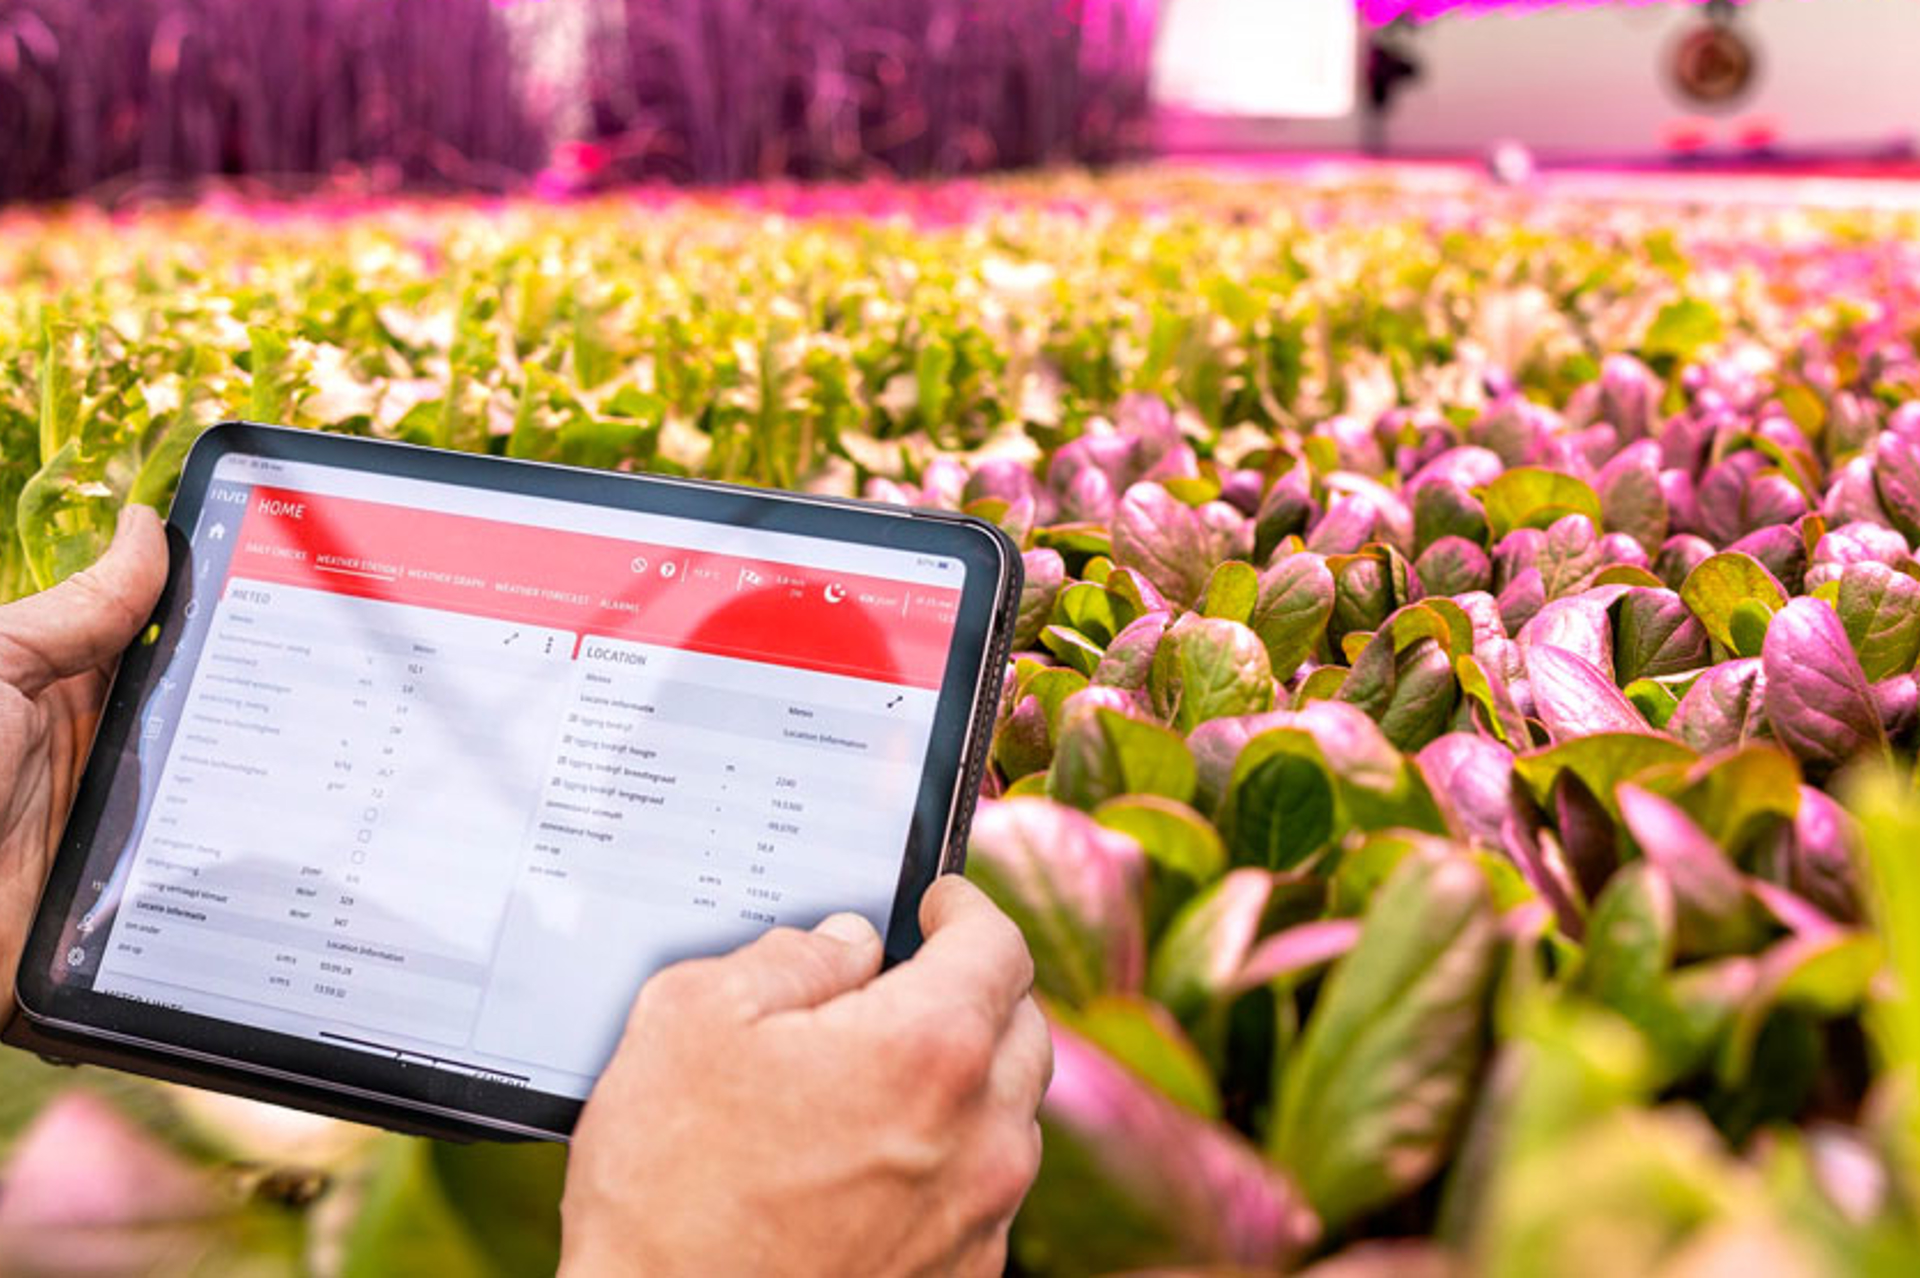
x,y
86,620
1023,1064
972,952
787,970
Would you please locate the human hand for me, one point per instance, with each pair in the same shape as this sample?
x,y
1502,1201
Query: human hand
x,y
57,651
787,1109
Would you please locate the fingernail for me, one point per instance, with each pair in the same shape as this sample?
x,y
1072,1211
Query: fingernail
x,y
120,521
850,929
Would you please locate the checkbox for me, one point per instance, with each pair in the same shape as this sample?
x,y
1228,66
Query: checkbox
x,y
372,814
365,836
359,858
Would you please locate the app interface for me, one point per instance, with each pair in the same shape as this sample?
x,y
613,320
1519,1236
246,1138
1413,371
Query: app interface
x,y
445,775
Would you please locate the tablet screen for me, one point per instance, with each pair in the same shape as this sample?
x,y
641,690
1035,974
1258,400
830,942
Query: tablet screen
x,y
443,774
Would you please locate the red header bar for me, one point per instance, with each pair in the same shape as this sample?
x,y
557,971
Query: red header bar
x,y
724,605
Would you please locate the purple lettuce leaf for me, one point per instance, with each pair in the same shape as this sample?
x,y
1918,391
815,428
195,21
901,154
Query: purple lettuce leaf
x,y
1781,550
1130,1178
1373,1097
1046,573
1102,753
1725,707
1880,609
1127,659
1291,610
1453,566
1678,556
1631,501
1575,698
1209,668
1818,701
1074,888
1216,745
1715,911
1164,540
1655,634
1896,480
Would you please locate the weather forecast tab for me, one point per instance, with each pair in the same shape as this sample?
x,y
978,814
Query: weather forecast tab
x,y
447,785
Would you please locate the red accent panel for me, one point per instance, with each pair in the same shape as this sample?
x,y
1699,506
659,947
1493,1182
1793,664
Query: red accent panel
x,y
755,609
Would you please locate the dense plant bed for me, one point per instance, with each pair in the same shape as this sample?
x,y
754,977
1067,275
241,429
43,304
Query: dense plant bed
x,y
1455,778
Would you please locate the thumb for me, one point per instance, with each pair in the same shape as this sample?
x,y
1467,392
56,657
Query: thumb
x,y
85,621
786,970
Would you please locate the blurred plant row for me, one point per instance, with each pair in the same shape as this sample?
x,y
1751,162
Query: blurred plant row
x,y
154,97
1455,775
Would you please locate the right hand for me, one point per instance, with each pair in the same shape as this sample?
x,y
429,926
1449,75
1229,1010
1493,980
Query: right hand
x,y
788,1109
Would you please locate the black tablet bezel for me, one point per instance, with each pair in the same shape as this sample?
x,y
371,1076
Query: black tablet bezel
x,y
85,1025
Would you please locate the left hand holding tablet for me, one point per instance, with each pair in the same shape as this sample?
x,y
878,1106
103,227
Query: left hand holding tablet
x,y
57,650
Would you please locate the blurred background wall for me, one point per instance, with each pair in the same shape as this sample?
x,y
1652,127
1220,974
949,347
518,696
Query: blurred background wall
x,y
1833,75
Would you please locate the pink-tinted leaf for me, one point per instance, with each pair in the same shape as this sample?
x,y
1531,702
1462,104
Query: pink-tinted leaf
x,y
1215,745
1074,888
1724,708
1580,625
1656,634
1163,539
1128,658
1195,963
1825,850
1348,524
88,1192
1779,549
1588,836
1023,745
1472,780
1575,698
1101,753
1131,1179
1817,698
1630,496
1717,915
1453,566
1296,951
1372,1099
1678,557
1898,701
1880,609
1443,509
1291,610
1896,477
1209,668
1046,573
1571,556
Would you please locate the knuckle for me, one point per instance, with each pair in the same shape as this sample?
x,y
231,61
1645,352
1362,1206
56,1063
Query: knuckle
x,y
1019,958
952,1052
20,662
786,947
1009,1169
96,595
670,991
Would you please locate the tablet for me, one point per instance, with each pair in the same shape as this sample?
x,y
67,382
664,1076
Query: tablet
x,y
429,759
